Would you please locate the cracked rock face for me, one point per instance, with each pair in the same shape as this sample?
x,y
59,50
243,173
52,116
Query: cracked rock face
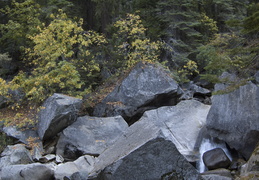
x,y
233,118
147,86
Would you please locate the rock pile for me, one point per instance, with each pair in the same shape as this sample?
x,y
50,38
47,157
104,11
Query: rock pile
x,y
148,127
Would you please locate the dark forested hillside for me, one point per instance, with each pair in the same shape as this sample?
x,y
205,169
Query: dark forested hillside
x,y
73,46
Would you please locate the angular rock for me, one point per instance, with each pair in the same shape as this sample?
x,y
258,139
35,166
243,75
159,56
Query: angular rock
x,y
47,158
252,164
147,150
147,86
215,159
22,134
90,135
37,155
59,159
71,170
16,154
35,171
59,111
193,91
233,118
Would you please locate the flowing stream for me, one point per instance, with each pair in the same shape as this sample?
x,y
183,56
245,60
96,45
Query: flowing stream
x,y
206,145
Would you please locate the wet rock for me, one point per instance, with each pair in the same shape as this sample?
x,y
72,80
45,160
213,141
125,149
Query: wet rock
x,y
215,159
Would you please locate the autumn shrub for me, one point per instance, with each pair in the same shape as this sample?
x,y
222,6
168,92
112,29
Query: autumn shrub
x,y
60,58
129,44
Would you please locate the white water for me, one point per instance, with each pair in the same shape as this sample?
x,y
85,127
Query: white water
x,y
207,145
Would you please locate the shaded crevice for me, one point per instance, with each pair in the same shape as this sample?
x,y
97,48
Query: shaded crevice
x,y
168,99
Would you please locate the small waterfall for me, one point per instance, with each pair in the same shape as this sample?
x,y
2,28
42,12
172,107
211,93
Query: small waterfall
x,y
206,145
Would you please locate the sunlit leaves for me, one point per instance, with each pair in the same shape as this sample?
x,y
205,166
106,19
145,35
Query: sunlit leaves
x,y
131,44
61,56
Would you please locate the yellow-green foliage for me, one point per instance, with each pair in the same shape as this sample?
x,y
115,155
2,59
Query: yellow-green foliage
x,y
131,44
189,69
60,56
208,26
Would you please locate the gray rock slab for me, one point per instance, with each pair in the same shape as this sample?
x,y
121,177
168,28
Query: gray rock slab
x,y
233,118
90,135
58,112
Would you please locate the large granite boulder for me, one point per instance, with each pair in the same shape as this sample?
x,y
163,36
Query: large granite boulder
x,y
90,135
233,117
16,154
147,86
35,171
58,112
149,149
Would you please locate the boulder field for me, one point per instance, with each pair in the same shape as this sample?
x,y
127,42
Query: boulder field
x,y
147,127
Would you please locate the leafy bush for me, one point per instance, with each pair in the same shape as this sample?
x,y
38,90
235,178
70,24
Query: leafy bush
x,y
130,45
60,57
